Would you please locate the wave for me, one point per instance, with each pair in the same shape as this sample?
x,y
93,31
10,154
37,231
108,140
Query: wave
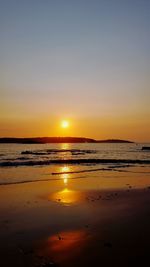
x,y
72,161
55,151
39,180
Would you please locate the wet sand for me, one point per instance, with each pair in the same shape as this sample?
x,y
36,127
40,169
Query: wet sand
x,y
86,222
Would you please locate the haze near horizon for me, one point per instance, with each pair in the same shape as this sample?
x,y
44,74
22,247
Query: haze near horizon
x,y
85,62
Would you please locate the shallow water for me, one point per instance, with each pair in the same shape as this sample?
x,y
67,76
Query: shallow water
x,y
20,163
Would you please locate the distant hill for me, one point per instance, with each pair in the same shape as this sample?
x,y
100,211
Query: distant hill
x,y
44,140
113,141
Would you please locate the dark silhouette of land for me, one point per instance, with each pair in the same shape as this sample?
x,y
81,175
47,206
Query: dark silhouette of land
x,y
44,140
113,141
146,148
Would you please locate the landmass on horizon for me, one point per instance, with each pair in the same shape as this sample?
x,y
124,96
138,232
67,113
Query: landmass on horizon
x,y
44,140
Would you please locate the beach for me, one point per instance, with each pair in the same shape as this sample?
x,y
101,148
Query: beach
x,y
74,133
98,218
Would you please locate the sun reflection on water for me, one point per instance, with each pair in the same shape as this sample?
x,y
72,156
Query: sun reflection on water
x,y
66,196
65,151
65,176
65,146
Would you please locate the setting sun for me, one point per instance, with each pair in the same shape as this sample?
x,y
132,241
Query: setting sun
x,y
64,124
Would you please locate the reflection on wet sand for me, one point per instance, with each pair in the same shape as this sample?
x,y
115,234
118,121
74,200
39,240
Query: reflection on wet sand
x,y
65,196
69,240
63,246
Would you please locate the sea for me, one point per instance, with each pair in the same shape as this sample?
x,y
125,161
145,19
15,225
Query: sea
x,y
20,163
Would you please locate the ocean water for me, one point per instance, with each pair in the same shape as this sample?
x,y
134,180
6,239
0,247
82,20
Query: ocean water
x,y
42,154
32,162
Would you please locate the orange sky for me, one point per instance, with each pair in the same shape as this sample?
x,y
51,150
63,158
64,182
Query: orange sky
x,y
98,128
88,63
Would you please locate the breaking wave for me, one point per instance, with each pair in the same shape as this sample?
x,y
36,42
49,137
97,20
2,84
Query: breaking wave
x,y
91,161
55,151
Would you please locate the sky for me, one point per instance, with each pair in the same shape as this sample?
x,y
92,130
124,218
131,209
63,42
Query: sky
x,y
87,61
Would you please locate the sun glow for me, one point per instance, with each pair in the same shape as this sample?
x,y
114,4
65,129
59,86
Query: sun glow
x,y
65,124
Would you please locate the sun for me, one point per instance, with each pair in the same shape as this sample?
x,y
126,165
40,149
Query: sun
x,y
65,124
